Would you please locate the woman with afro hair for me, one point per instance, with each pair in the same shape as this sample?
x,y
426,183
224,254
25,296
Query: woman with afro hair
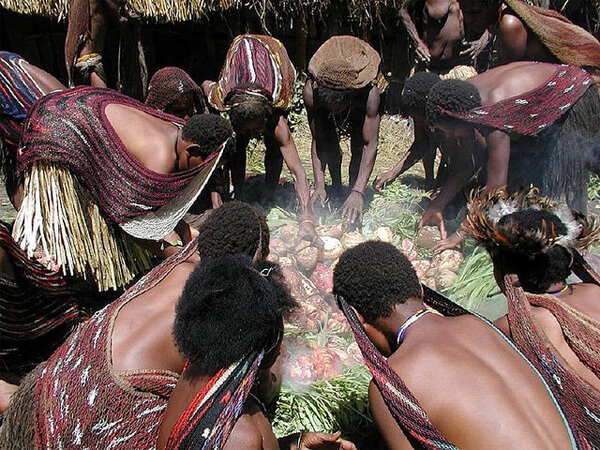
x,y
534,244
122,366
538,124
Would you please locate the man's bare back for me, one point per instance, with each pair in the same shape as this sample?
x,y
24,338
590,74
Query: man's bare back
x,y
475,387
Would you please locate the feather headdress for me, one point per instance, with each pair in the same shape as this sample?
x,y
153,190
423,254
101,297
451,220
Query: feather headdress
x,y
489,222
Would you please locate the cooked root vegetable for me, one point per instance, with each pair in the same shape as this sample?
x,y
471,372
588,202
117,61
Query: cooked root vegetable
x,y
334,231
352,239
289,235
448,259
307,258
445,278
332,248
278,247
383,234
428,236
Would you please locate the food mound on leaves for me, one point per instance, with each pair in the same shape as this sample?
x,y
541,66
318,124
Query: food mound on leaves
x,y
319,342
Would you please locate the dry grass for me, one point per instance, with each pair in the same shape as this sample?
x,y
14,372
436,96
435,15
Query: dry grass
x,y
395,137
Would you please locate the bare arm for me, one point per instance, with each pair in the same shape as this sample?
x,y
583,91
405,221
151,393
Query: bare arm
x,y
389,429
416,151
498,149
318,173
370,138
421,48
353,206
461,169
283,137
237,165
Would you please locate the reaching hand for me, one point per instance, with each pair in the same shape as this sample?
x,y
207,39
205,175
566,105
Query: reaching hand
x,y
324,441
319,195
474,48
422,52
382,180
352,209
307,232
434,217
453,241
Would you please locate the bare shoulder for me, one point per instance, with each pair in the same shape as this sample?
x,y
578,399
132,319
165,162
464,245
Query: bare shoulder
x,y
587,299
509,23
373,102
245,434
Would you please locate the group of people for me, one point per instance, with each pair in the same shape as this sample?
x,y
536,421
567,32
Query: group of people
x,y
181,320
186,358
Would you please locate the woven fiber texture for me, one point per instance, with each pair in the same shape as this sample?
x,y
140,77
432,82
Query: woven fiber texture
x,y
256,59
345,62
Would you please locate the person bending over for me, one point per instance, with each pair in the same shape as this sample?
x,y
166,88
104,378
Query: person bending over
x,y
94,156
343,98
21,85
424,146
172,90
448,382
537,240
536,122
256,87
524,32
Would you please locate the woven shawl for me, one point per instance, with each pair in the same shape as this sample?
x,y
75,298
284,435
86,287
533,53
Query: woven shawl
x,y
209,419
82,402
18,92
531,112
36,302
580,401
403,406
257,59
71,128
569,43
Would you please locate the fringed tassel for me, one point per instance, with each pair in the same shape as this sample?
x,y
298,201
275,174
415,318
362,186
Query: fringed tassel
x,y
61,224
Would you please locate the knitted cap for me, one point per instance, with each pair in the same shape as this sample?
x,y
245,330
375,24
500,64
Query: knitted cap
x,y
345,62
167,84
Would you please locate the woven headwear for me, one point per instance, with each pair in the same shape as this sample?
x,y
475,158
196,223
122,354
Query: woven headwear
x,y
345,62
169,83
487,210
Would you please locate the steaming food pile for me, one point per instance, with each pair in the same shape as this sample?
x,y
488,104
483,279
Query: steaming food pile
x,y
320,345
325,382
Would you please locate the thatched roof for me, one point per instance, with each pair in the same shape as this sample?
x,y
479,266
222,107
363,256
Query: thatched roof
x,y
165,11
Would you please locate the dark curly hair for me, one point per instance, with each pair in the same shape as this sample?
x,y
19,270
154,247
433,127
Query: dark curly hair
x,y
248,102
373,277
330,97
234,228
209,131
416,89
451,95
537,271
218,322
